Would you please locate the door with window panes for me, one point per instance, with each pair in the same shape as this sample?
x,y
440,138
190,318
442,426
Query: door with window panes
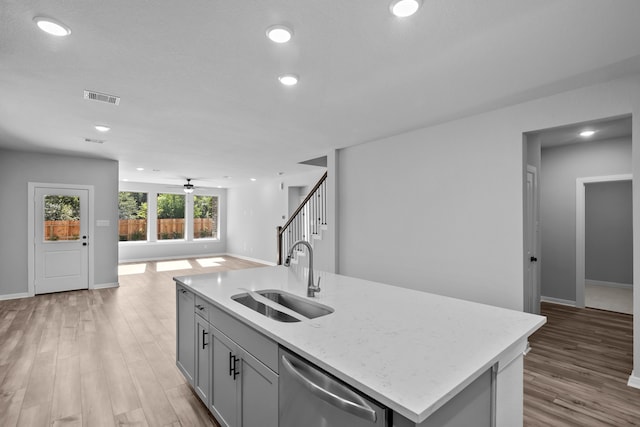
x,y
61,239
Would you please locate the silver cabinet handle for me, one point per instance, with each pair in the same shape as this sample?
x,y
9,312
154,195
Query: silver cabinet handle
x,y
359,409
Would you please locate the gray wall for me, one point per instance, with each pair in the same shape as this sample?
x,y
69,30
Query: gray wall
x,y
16,170
561,166
609,232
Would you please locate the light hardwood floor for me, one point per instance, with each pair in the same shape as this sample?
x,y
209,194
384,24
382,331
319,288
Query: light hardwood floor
x,y
107,357
100,357
577,371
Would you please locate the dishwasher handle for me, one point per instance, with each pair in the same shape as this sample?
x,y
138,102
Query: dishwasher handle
x,y
359,410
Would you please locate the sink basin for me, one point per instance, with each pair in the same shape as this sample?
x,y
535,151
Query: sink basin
x,y
246,300
306,308
302,306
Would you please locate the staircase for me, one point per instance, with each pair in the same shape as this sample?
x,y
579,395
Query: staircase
x,y
307,222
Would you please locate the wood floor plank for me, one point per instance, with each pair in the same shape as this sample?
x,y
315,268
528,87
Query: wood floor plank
x,y
190,410
70,421
34,416
133,418
41,380
96,404
10,405
157,408
124,397
66,405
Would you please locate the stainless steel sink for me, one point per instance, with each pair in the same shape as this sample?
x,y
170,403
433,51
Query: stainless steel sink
x,y
246,300
285,300
302,306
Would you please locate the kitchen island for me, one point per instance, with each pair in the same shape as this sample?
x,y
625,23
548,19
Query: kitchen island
x,y
411,351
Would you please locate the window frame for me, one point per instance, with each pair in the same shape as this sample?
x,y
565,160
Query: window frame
x,y
152,191
147,219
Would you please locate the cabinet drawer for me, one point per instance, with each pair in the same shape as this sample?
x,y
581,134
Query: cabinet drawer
x,y
261,347
203,308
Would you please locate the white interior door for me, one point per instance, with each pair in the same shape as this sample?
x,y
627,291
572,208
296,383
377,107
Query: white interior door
x,y
532,278
61,239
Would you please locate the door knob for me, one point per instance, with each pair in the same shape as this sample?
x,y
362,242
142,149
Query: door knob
x,y
533,259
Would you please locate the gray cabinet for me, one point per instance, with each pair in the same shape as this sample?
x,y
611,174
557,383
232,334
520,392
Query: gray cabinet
x,y
258,393
244,390
186,334
202,377
224,395
231,367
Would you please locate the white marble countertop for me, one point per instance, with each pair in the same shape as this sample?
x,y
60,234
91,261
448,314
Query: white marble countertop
x,y
412,351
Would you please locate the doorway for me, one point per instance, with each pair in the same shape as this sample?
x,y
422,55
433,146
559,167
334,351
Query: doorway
x,y
60,225
561,155
604,245
531,230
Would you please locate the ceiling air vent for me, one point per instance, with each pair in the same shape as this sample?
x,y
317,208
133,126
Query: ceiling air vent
x,y
102,97
95,141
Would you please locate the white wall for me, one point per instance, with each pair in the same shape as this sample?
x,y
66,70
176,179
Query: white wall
x,y
257,209
561,166
17,169
153,249
440,208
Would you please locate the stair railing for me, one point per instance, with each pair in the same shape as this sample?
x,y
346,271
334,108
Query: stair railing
x,y
307,220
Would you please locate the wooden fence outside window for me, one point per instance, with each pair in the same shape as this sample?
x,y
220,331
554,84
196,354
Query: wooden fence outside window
x,y
168,229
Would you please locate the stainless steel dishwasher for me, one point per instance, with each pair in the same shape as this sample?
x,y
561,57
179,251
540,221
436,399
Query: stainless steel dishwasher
x,y
310,397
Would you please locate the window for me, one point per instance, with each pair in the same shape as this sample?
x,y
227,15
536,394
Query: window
x,y
170,216
205,217
61,218
132,214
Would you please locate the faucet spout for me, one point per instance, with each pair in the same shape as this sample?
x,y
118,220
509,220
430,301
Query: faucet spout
x,y
311,287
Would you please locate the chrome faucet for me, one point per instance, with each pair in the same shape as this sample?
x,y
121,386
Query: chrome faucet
x,y
311,288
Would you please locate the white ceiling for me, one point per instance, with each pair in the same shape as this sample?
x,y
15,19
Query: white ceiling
x,y
198,79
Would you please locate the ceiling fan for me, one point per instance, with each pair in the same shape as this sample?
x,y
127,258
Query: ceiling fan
x,y
188,188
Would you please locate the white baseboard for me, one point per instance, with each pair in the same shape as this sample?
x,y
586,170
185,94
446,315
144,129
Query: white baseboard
x,y
105,285
634,381
14,296
558,301
608,284
172,257
261,261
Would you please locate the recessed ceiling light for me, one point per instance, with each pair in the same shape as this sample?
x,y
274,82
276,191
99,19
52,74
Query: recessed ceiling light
x,y
125,179
288,79
279,34
139,169
102,128
587,133
51,26
404,8
252,179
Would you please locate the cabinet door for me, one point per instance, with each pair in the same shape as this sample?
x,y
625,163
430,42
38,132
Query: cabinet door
x,y
226,367
186,335
203,361
259,393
